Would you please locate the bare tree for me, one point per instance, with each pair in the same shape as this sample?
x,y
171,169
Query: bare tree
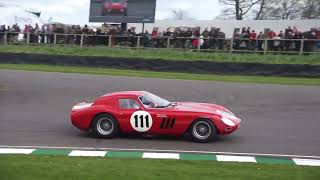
x,y
287,9
311,9
259,11
263,10
238,8
270,9
283,9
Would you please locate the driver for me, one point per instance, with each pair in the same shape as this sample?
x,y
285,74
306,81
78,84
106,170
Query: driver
x,y
147,103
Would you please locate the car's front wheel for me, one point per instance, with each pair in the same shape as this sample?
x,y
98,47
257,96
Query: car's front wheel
x,y
203,131
105,126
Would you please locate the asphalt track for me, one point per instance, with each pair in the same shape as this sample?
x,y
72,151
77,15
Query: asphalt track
x,y
277,119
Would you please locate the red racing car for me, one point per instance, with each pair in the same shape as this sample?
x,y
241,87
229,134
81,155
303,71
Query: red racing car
x,y
140,112
115,6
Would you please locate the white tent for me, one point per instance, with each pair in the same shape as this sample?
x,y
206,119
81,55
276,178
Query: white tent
x,y
17,15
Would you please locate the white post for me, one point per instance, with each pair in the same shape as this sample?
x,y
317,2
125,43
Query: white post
x,y
168,42
110,40
265,48
301,47
231,45
55,39
81,42
5,38
138,42
199,45
28,37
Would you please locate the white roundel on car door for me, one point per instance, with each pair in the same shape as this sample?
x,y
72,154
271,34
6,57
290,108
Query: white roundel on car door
x,y
141,121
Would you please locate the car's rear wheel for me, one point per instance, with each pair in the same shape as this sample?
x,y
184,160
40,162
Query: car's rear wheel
x,y
105,126
203,131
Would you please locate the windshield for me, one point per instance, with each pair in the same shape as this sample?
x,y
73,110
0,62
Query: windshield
x,y
153,101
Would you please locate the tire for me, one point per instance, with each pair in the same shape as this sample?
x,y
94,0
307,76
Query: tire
x,y
202,131
105,126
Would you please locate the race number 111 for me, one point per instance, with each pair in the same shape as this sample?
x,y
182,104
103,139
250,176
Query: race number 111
x,y
141,121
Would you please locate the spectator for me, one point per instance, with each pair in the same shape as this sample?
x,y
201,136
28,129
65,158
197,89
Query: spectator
x,y
288,30
221,40
195,43
309,44
26,31
2,33
276,43
271,36
289,44
43,31
245,35
298,36
260,41
253,39
213,35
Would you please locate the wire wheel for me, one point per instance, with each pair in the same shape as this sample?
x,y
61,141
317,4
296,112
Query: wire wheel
x,y
201,130
105,126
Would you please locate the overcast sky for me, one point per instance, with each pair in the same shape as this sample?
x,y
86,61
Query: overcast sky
x,y
77,11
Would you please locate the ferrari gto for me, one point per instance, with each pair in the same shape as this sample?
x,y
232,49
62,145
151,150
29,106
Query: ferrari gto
x,y
115,6
140,112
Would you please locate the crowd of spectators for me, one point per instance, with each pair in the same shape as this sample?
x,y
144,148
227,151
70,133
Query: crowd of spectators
x,y
288,40
179,37
12,33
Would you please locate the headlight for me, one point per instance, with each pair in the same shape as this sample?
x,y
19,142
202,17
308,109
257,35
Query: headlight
x,y
226,114
227,121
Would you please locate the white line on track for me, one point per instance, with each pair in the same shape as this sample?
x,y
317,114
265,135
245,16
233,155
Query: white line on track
x,y
306,162
161,155
88,153
15,151
236,158
162,150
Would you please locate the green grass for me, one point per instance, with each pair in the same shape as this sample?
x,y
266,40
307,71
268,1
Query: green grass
x,y
163,54
60,167
165,75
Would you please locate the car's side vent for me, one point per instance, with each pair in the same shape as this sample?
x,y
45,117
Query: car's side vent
x,y
167,123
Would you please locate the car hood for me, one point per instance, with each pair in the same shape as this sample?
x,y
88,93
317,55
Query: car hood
x,y
199,107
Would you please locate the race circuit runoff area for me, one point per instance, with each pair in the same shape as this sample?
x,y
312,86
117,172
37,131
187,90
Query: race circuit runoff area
x,y
161,155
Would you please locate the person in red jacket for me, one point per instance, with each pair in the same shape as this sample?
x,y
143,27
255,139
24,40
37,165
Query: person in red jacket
x,y
195,43
26,30
272,34
253,40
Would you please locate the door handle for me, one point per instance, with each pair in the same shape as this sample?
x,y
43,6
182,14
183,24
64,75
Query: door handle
x,y
161,115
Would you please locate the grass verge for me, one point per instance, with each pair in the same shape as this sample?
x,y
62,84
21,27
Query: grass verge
x,y
59,167
165,75
163,54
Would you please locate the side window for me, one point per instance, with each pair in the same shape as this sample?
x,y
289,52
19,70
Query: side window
x,y
128,104
146,102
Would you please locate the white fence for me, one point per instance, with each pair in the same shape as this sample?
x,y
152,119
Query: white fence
x,y
227,45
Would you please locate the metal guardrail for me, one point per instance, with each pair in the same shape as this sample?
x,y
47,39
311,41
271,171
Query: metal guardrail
x,y
229,45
